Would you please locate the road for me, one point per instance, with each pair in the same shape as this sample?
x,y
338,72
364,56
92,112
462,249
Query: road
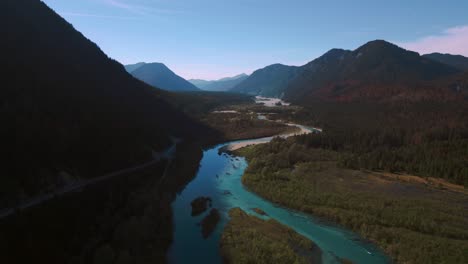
x,y
158,156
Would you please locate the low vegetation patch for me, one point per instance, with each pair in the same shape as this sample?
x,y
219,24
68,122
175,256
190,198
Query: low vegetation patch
x,y
244,125
248,239
412,221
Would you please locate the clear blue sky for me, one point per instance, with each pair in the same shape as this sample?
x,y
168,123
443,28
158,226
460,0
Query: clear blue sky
x,y
210,39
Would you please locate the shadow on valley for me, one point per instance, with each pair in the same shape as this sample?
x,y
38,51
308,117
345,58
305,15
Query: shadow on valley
x,y
127,219
70,114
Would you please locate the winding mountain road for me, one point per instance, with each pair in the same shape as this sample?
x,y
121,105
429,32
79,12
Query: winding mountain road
x,y
157,156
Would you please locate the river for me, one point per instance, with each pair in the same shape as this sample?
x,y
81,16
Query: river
x,y
219,177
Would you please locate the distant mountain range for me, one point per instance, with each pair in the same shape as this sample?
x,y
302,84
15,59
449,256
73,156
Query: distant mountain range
x,y
220,85
270,81
378,70
457,61
160,76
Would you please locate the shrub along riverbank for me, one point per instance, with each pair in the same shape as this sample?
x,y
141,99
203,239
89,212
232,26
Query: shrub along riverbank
x,y
248,239
412,222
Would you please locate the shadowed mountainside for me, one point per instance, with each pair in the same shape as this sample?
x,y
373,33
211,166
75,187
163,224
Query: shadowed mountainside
x,y
70,112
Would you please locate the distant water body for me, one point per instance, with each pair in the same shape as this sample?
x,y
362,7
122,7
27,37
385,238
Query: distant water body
x,y
219,177
270,102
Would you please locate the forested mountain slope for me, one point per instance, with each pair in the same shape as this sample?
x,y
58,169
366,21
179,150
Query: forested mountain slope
x,y
376,71
457,61
67,109
270,81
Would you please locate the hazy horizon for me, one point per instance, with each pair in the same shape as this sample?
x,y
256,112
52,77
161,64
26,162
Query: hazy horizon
x,y
212,40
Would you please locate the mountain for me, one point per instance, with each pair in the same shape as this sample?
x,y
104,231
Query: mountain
x,y
220,85
68,109
378,70
270,81
199,83
160,76
237,77
457,61
131,67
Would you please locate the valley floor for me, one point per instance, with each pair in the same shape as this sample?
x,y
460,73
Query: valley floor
x,y
414,221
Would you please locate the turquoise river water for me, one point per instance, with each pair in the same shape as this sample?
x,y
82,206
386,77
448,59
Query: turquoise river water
x,y
219,177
